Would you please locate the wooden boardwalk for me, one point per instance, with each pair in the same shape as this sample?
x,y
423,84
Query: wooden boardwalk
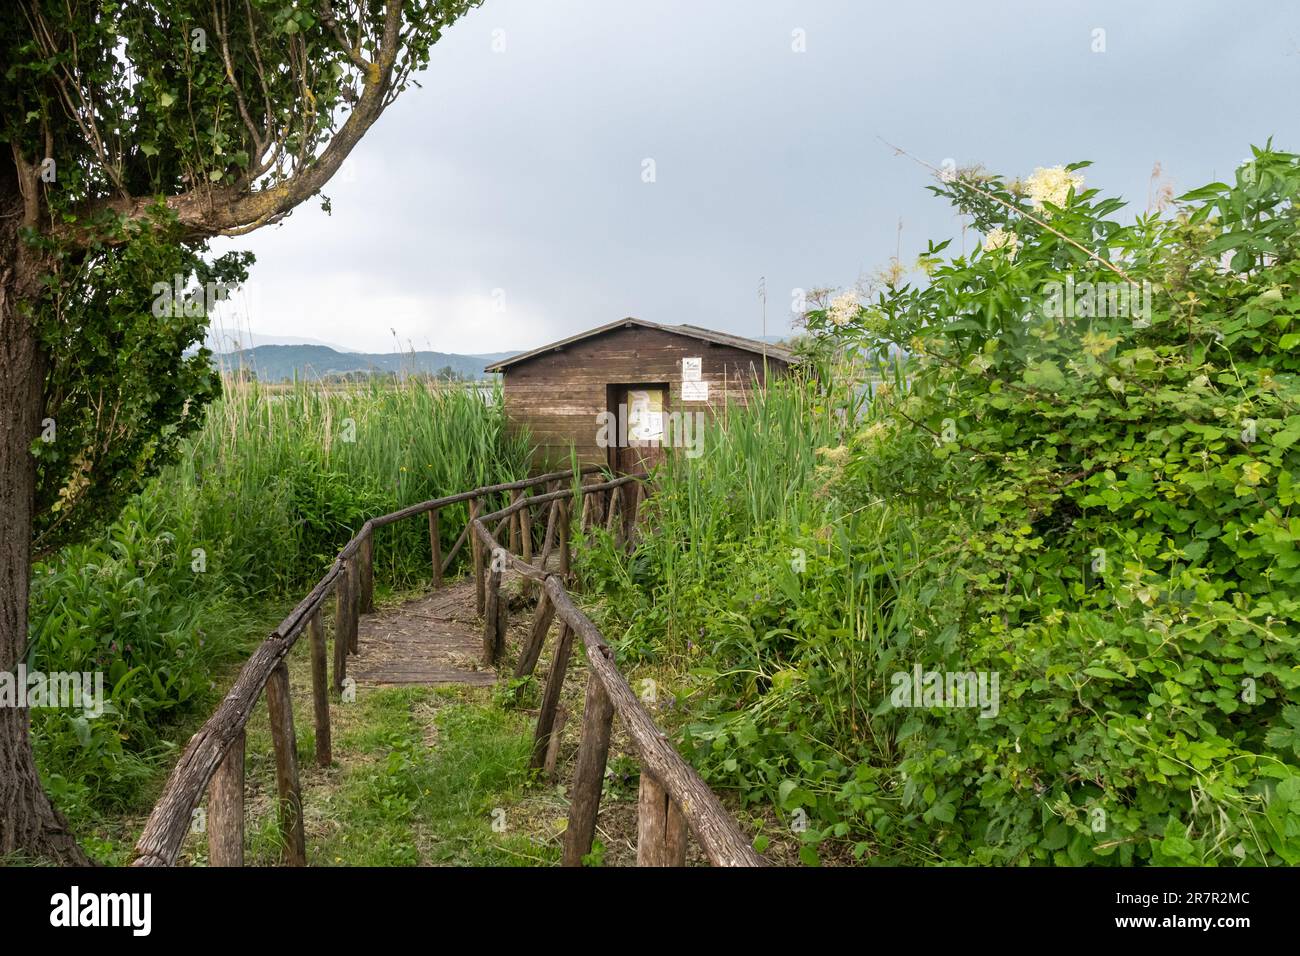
x,y
441,638
432,640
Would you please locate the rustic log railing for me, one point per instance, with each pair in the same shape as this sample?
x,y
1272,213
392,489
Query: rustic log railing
x,y
673,799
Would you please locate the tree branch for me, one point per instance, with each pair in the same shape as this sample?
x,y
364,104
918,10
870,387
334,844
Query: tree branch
x,y
233,210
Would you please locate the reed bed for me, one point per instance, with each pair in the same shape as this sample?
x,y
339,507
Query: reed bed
x,y
186,578
279,479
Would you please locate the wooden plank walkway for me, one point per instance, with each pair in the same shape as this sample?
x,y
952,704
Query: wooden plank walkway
x,y
437,639
432,640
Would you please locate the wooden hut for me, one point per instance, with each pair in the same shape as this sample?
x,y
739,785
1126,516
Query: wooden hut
x,y
622,394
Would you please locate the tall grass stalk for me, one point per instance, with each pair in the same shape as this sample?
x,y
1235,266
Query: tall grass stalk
x,y
764,472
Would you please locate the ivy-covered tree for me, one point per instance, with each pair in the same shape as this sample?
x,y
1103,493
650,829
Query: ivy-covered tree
x,y
135,132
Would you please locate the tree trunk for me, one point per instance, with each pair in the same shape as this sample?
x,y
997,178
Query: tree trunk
x,y
29,824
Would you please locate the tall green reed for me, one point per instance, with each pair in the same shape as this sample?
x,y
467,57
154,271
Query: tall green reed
x,y
781,604
279,479
275,483
763,476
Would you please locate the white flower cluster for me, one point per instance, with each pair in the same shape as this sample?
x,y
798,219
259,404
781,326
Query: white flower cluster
x,y
1000,238
843,308
1052,184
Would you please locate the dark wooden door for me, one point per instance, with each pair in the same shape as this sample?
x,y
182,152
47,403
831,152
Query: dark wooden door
x,y
643,407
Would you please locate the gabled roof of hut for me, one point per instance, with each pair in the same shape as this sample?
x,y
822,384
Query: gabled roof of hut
x,y
774,353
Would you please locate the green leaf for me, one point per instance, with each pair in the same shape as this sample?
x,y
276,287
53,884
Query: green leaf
x,y
1103,672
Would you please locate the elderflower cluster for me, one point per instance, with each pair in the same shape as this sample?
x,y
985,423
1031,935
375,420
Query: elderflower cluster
x,y
834,456
830,469
1000,238
874,431
1052,185
893,273
843,309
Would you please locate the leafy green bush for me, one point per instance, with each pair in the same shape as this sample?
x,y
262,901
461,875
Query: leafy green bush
x,y
129,608
1080,480
1113,488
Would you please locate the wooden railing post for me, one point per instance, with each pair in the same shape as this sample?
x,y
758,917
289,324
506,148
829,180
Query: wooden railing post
x,y
320,690
280,708
660,829
589,775
226,808
341,618
476,554
526,541
354,605
490,612
676,833
564,539
435,547
515,522
502,622
366,568
450,556
542,618
526,533
546,727
548,539
553,746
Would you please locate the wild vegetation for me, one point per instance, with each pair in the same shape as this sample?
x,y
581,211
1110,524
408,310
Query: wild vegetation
x,y
207,558
1094,504
1064,462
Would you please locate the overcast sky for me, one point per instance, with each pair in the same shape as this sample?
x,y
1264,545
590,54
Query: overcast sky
x,y
504,203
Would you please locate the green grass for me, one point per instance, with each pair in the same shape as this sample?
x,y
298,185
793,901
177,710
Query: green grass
x,y
760,490
443,798
424,777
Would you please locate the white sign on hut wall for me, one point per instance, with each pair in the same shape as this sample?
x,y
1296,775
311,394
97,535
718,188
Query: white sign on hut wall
x,y
693,390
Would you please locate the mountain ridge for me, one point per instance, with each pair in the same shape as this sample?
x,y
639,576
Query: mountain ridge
x,y
278,363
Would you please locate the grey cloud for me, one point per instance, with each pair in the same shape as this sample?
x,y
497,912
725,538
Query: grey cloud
x,y
521,170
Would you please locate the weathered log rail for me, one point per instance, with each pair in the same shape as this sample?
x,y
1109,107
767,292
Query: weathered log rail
x,y
673,799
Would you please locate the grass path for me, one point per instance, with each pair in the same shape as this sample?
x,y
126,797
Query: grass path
x,y
422,776
426,776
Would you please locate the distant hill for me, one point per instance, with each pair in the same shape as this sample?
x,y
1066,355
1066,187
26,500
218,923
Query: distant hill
x,y
279,363
220,340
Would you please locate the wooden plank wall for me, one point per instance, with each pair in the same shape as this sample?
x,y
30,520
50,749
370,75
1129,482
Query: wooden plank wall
x,y
558,394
